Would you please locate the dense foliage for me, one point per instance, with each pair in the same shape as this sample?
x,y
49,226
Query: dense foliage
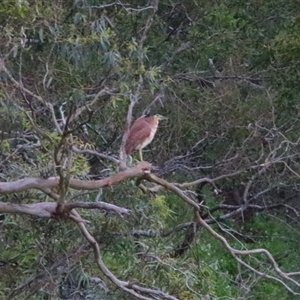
x,y
225,73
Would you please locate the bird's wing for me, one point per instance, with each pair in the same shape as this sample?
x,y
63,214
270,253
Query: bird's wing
x,y
137,134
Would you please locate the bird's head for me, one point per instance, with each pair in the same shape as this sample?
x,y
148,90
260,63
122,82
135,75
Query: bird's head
x,y
159,117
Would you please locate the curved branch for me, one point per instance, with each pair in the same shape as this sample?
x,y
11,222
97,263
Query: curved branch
x,y
234,252
133,289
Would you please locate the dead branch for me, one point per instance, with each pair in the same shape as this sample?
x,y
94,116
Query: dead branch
x,y
148,24
209,180
234,252
171,187
121,211
96,153
49,209
235,209
155,233
43,209
80,110
158,97
52,182
26,91
125,6
133,289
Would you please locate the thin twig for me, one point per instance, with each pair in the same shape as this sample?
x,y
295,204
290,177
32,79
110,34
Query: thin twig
x,y
96,153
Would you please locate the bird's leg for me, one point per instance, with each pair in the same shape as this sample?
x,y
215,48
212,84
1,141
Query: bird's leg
x,y
130,160
141,154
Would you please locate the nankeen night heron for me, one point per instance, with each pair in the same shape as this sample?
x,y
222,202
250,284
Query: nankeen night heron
x,y
142,133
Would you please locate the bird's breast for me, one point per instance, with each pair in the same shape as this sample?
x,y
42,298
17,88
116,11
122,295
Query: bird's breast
x,y
148,139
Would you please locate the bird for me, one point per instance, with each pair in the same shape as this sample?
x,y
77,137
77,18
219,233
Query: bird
x,y
142,132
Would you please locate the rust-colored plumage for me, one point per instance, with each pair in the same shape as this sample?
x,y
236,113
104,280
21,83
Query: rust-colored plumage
x,y
142,133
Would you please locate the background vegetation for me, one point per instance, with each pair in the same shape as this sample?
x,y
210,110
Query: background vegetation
x,y
225,73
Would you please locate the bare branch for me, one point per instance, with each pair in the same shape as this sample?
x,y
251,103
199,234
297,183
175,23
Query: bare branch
x,y
19,85
126,6
49,209
63,263
43,209
181,48
80,110
50,106
157,98
121,211
91,152
26,91
171,187
38,129
155,233
133,289
42,184
264,275
209,180
148,24
234,252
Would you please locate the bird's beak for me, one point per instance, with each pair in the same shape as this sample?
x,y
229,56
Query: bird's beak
x,y
163,118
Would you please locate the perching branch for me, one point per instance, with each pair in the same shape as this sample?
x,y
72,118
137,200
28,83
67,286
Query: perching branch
x,y
52,182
